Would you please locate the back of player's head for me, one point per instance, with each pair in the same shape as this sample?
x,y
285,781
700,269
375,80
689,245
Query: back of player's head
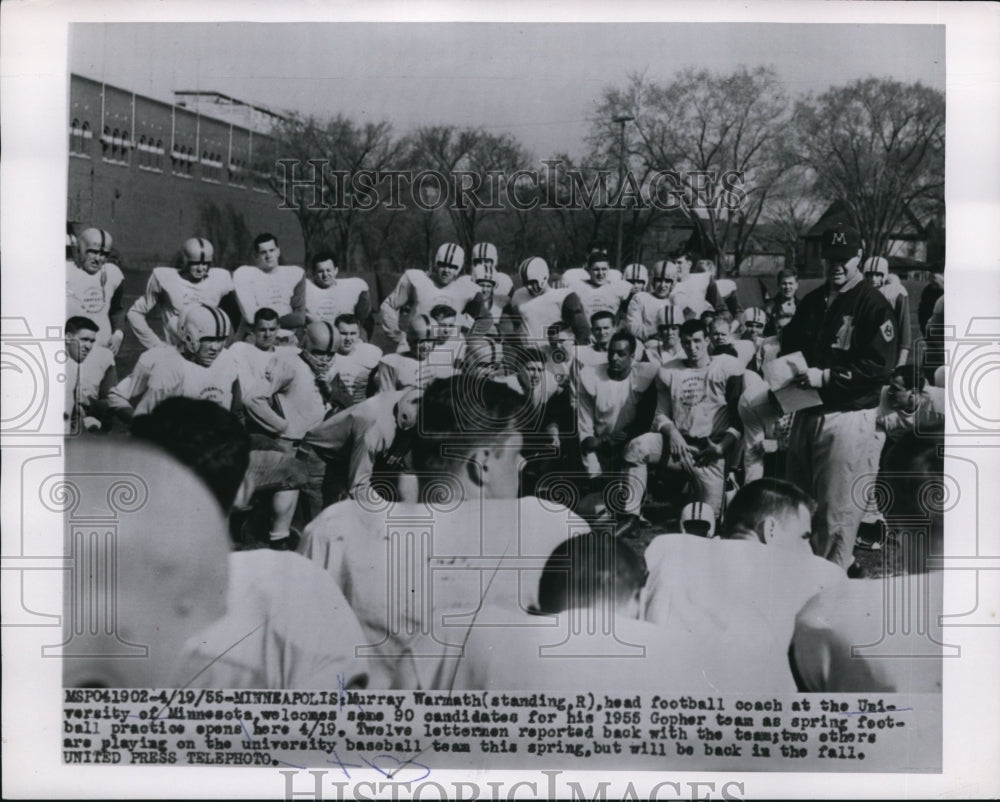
x,y
761,499
593,569
691,327
79,323
458,414
170,551
204,436
912,378
262,239
442,311
265,313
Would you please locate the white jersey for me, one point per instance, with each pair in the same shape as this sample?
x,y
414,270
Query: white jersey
x,y
592,647
256,289
689,293
771,580
412,586
539,312
602,298
287,627
252,362
84,379
354,369
291,387
168,290
640,319
164,373
340,298
418,292
606,405
580,274
504,284
89,295
589,357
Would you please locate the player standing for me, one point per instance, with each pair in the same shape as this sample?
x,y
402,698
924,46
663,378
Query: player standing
x,y
172,291
328,296
271,284
94,287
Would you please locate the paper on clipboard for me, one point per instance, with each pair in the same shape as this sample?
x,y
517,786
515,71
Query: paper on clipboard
x,y
781,375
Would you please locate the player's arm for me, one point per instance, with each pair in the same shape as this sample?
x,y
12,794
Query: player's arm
x,y
278,376
100,408
124,396
905,334
237,406
333,435
246,298
575,316
394,302
296,319
363,312
633,317
116,309
137,315
481,316
586,411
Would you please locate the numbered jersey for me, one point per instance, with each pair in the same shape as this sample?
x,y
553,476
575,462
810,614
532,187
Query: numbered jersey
x,y
539,312
341,298
89,295
256,289
172,293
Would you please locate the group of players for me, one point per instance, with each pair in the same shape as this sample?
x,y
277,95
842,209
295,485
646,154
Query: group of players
x,y
521,437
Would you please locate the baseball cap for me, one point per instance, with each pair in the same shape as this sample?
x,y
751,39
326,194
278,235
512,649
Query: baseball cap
x,y
840,242
697,518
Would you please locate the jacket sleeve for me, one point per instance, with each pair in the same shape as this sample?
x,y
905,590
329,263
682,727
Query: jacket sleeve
x,y
392,305
869,360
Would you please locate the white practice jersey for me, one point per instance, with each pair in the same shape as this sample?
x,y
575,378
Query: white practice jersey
x,y
538,313
287,627
606,405
640,319
603,298
289,403
417,292
89,295
168,290
164,373
355,368
340,298
251,362
256,289
83,379
413,586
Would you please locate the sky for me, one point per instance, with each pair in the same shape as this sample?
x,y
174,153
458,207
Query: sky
x,y
541,82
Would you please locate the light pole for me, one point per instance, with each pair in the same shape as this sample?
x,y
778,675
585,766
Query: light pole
x,y
621,121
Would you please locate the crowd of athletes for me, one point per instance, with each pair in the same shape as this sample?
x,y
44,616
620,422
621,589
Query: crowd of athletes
x,y
448,489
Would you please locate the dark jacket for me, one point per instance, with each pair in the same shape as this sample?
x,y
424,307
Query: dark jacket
x,y
855,338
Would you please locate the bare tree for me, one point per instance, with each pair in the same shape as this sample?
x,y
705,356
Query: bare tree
x,y
720,140
877,144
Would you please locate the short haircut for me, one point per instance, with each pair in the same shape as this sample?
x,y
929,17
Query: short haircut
x,y
80,323
787,273
442,426
691,327
322,256
260,239
600,315
626,337
761,498
204,436
595,256
721,321
912,378
347,319
593,568
264,313
443,310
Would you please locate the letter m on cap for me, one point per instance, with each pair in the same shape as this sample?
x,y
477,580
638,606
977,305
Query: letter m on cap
x,y
839,238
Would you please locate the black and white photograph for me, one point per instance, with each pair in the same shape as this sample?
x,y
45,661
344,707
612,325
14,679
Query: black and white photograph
x,y
564,400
